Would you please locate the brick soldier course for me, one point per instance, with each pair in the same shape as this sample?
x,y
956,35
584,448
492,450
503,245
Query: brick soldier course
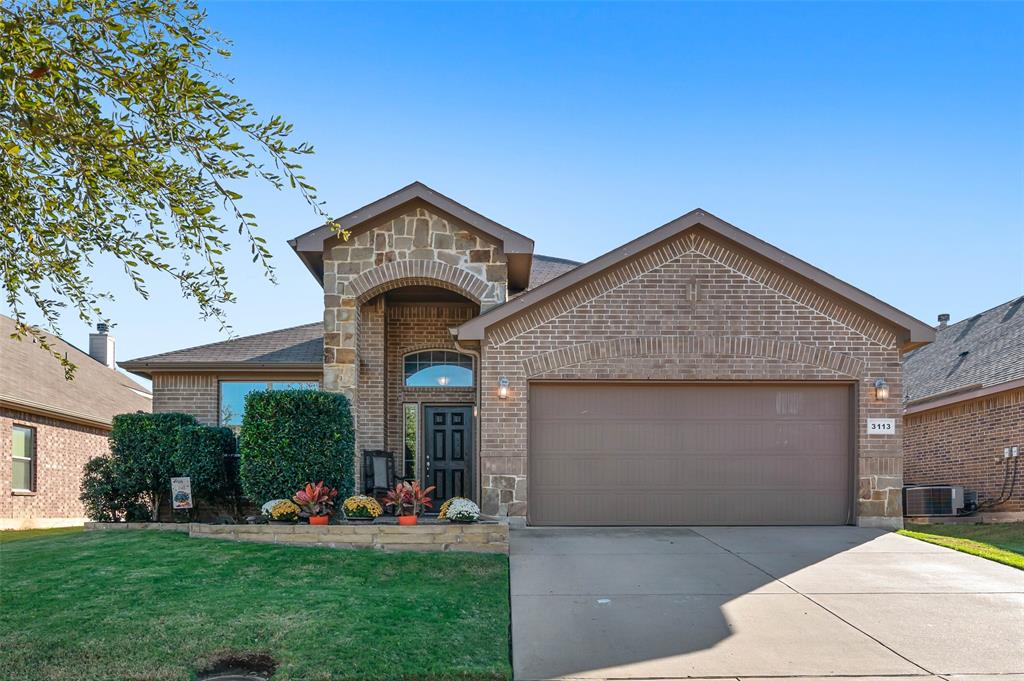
x,y
696,300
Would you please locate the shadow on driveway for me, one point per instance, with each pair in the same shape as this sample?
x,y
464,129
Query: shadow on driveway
x,y
664,603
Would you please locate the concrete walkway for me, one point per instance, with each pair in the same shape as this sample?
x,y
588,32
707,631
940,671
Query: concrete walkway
x,y
749,603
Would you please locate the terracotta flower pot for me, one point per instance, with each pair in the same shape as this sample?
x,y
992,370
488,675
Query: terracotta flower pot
x,y
407,520
319,519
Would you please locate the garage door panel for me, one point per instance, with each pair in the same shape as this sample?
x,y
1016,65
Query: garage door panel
x,y
698,508
611,472
761,437
689,454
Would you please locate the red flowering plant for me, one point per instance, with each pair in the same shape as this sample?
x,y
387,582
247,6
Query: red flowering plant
x,y
316,500
408,498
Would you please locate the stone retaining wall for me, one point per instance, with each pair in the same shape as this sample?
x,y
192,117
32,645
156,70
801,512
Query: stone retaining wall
x,y
475,538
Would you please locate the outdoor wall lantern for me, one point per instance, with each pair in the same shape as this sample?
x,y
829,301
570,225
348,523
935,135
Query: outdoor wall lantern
x,y
503,388
881,389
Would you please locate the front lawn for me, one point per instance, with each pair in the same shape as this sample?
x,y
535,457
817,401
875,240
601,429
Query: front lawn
x,y
158,605
1001,542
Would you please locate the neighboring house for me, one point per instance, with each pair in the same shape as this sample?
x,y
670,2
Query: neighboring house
x,y
695,375
965,405
50,427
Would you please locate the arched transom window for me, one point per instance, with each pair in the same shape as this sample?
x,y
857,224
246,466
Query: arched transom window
x,y
438,369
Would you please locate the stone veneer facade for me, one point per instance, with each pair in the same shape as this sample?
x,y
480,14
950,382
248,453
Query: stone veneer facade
x,y
695,308
962,444
419,248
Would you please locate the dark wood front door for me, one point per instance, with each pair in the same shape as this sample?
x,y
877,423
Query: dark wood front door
x,y
448,452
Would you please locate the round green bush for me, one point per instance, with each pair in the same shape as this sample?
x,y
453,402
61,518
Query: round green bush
x,y
291,437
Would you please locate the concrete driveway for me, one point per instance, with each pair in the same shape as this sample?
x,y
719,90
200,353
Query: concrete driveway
x,y
669,603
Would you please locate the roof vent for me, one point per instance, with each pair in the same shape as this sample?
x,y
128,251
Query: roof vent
x,y
943,320
101,346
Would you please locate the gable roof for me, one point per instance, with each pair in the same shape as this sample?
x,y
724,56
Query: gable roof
x,y
32,380
980,352
297,347
518,248
912,331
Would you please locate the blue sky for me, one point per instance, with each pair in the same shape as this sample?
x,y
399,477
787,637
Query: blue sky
x,y
883,143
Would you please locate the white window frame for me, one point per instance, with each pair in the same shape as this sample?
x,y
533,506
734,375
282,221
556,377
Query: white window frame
x,y
32,460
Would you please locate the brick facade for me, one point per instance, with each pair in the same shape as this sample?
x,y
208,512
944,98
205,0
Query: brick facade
x,y
62,450
962,444
691,309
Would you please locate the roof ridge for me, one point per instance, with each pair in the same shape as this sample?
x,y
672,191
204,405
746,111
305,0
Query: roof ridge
x,y
985,312
228,340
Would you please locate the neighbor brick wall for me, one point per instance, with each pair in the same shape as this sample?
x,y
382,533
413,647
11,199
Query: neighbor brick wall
x,y
62,450
962,444
695,308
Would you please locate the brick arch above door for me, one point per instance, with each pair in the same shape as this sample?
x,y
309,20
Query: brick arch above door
x,y
399,273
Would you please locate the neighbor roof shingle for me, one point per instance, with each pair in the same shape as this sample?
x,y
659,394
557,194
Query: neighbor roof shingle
x,y
982,351
33,379
297,345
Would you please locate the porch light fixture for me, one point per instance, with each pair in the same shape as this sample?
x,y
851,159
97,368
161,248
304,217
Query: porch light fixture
x,y
442,380
502,388
881,389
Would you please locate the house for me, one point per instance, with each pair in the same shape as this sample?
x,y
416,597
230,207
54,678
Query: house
x,y
695,375
964,398
50,427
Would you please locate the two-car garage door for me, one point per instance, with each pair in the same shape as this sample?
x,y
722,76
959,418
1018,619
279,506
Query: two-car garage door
x,y
689,454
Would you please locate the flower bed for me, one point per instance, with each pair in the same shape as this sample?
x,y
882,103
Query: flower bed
x,y
429,535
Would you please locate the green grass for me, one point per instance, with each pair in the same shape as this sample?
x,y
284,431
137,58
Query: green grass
x,y
20,535
1001,542
157,605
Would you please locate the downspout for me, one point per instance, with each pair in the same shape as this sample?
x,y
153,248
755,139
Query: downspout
x,y
454,331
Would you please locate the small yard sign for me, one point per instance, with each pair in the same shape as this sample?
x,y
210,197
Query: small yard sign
x,y
181,493
881,426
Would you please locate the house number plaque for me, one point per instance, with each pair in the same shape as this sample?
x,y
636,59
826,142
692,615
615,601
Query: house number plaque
x,y
881,426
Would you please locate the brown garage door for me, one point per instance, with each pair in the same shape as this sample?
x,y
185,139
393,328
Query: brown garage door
x,y
675,454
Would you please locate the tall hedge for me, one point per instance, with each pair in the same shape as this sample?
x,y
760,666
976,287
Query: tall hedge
x,y
291,437
200,455
143,449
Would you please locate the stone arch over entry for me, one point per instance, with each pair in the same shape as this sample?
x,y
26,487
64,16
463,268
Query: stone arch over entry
x,y
688,346
399,273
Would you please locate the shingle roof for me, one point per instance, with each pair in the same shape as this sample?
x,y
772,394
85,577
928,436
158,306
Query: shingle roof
x,y
30,378
981,351
295,346
545,268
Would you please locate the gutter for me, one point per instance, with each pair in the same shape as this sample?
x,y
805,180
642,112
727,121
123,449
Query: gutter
x,y
477,436
46,411
960,395
146,369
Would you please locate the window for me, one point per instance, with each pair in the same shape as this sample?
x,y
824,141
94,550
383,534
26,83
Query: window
x,y
412,431
23,475
232,397
438,369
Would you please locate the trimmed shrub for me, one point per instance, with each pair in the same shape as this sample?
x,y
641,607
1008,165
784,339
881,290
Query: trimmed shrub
x,y
104,496
143,449
201,455
291,437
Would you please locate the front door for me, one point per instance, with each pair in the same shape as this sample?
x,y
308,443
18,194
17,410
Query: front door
x,y
448,453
